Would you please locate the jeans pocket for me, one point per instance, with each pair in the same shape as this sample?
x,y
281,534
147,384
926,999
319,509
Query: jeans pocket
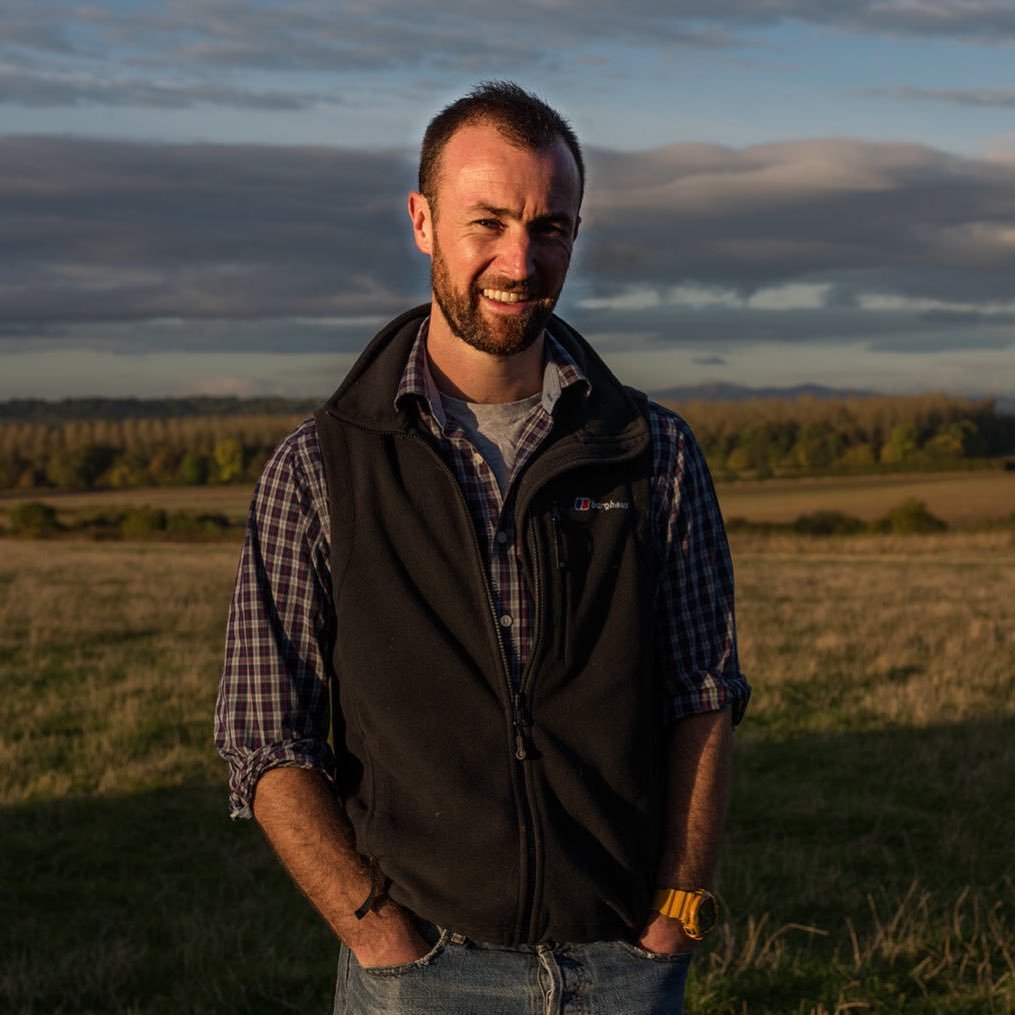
x,y
439,938
663,958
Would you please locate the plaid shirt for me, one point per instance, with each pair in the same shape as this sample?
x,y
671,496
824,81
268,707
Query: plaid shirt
x,y
273,704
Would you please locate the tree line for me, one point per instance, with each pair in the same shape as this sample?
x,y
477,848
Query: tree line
x,y
808,436
761,437
87,454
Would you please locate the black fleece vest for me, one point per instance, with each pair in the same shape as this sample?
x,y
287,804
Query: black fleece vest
x,y
510,816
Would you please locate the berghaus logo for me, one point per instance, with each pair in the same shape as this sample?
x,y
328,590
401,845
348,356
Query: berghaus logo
x,y
588,504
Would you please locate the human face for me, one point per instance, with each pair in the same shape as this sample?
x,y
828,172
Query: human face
x,y
500,232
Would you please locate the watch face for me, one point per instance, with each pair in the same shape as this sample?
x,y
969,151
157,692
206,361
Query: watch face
x,y
706,915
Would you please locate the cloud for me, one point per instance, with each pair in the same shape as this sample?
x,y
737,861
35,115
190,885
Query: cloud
x,y
124,231
314,36
129,246
204,51
996,98
859,216
43,91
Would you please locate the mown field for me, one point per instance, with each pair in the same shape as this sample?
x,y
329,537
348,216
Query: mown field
x,y
956,497
230,500
869,859
959,497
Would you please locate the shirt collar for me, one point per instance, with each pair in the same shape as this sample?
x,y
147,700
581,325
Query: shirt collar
x,y
560,373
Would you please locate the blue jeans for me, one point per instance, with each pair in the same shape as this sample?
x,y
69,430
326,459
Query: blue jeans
x,y
462,977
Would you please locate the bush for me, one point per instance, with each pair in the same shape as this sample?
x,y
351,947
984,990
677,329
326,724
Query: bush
x,y
33,519
143,521
912,516
828,523
181,523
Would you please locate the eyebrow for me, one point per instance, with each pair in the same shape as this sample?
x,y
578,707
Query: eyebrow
x,y
553,216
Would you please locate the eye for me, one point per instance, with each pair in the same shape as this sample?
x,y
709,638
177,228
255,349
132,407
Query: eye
x,y
488,223
552,229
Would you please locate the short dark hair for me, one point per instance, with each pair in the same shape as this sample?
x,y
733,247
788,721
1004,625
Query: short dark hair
x,y
523,118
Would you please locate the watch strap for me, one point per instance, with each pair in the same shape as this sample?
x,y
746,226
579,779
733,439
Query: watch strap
x,y
682,904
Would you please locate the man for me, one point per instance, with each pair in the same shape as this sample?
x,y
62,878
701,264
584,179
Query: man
x,y
500,579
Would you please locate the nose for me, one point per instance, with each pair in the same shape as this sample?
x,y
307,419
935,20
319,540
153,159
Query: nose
x,y
516,257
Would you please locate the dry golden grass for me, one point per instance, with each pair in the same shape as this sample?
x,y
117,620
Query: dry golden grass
x,y
909,630
110,654
956,497
868,860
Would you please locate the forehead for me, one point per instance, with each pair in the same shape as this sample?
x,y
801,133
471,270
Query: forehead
x,y
479,165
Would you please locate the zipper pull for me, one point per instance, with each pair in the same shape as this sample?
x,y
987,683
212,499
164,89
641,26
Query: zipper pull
x,y
521,721
559,542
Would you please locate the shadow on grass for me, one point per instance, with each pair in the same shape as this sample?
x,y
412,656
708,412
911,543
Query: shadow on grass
x,y
158,903
837,830
153,903
839,816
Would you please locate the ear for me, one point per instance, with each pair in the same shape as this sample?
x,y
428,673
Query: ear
x,y
422,222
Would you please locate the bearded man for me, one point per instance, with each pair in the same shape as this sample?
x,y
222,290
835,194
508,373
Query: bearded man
x,y
481,672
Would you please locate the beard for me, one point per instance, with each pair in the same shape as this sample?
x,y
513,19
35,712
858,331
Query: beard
x,y
505,336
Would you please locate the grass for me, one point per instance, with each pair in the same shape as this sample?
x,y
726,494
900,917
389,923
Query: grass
x,y
868,861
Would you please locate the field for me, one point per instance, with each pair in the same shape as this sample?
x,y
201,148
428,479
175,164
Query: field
x,y
869,858
960,498
956,497
229,500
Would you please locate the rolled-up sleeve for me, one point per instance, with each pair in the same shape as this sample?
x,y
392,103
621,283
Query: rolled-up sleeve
x,y
273,703
695,626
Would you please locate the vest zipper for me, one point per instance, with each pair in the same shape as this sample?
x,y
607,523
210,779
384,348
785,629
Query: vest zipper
x,y
520,718
560,553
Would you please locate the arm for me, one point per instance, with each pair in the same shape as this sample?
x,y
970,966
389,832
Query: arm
x,y
307,828
272,714
704,692
698,765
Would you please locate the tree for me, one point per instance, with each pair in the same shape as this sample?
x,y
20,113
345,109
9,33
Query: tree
x,y
228,456
902,445
194,469
80,467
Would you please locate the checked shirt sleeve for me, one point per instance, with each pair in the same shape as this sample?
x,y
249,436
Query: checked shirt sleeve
x,y
273,701
696,642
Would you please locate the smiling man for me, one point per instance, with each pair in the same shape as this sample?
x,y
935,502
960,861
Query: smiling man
x,y
481,672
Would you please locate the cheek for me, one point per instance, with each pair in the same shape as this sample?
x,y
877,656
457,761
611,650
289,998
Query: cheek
x,y
556,262
467,259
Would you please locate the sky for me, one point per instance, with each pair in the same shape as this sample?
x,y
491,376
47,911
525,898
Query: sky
x,y
208,196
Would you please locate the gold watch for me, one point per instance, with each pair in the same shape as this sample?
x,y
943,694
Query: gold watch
x,y
697,910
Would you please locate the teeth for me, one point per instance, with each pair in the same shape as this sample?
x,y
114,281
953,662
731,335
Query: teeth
x,y
504,297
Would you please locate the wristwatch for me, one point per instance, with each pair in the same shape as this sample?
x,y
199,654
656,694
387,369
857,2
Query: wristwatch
x,y
697,910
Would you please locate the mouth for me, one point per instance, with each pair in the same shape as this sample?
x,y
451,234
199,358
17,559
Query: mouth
x,y
506,296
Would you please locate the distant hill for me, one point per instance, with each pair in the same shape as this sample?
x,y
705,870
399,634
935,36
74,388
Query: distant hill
x,y
721,392
39,410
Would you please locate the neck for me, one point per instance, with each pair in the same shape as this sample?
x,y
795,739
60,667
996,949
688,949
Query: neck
x,y
463,372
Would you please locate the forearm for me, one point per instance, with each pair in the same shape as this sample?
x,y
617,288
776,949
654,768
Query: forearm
x,y
698,770
309,831
698,767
